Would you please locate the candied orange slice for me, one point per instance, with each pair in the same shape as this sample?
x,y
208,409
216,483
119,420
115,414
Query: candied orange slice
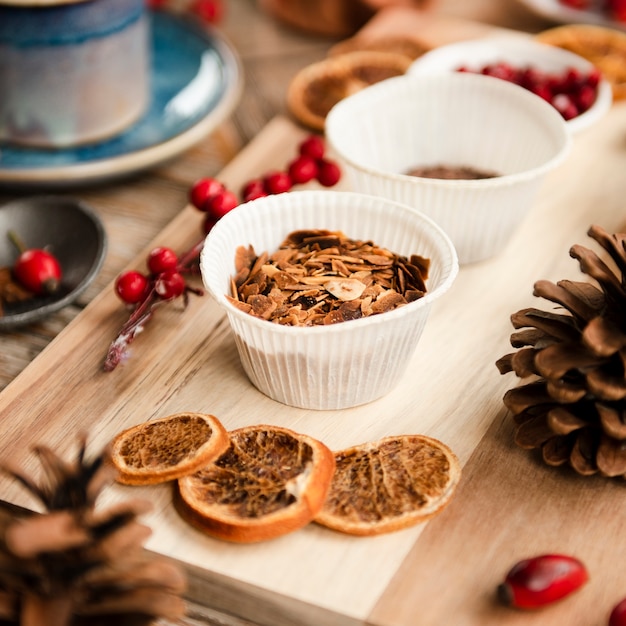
x,y
315,89
270,481
389,484
167,448
604,47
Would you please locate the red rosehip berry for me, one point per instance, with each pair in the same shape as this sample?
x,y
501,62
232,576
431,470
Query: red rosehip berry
x,y
535,582
302,169
277,182
131,286
221,203
38,271
170,284
210,11
328,173
253,189
313,146
202,190
618,614
161,259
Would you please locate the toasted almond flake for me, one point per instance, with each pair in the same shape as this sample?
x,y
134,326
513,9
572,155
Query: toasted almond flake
x,y
346,289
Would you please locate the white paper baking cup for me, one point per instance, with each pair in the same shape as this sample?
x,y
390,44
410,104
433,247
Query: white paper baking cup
x,y
383,131
345,364
517,51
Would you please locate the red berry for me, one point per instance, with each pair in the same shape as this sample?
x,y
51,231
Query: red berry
x,y
202,190
162,259
302,169
207,224
221,203
277,182
575,4
170,284
618,614
535,582
131,286
38,271
312,146
210,11
565,106
328,173
253,189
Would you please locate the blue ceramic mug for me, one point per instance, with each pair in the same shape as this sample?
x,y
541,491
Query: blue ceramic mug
x,y
71,71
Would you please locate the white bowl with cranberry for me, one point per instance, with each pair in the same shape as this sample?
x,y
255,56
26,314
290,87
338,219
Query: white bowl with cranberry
x,y
573,85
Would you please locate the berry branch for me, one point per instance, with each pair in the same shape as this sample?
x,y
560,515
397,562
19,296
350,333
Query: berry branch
x,y
166,281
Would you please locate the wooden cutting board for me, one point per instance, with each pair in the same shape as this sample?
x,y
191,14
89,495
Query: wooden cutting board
x,y
507,506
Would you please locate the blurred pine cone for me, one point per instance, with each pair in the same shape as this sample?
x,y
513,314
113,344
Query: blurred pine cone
x,y
74,565
573,407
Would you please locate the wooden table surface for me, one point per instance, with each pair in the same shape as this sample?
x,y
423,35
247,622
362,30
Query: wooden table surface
x,y
402,574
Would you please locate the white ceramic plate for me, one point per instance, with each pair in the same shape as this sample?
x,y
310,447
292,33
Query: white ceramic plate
x,y
555,11
519,51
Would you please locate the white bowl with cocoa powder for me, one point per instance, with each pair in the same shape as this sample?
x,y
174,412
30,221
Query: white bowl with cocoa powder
x,y
343,364
452,120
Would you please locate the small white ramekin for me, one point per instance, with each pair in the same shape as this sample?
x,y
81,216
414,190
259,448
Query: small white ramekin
x,y
454,119
519,52
344,364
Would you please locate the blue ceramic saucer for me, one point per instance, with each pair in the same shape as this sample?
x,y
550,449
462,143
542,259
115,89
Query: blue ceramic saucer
x,y
196,82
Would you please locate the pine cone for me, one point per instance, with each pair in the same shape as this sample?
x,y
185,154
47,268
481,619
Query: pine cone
x,y
74,565
574,408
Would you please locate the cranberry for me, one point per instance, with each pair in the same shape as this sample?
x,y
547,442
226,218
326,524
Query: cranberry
x,y
170,284
162,259
328,173
277,182
221,203
618,614
210,11
202,190
535,582
131,286
565,106
303,169
313,146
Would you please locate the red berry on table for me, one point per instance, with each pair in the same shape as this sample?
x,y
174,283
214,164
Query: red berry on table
x,y
161,259
538,581
38,271
253,189
210,11
277,182
312,146
328,173
618,614
170,284
221,203
302,169
131,286
202,190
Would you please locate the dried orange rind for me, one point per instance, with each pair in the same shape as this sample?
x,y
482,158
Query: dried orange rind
x,y
604,47
271,481
168,448
389,484
315,89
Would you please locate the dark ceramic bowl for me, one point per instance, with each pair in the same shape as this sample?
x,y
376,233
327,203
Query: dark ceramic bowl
x,y
67,228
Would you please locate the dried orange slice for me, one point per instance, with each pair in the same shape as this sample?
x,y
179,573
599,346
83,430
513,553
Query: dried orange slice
x,y
604,47
389,484
315,89
167,448
270,481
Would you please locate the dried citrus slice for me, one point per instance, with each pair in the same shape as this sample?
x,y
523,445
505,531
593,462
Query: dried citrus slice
x,y
604,47
389,484
269,482
315,89
167,448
